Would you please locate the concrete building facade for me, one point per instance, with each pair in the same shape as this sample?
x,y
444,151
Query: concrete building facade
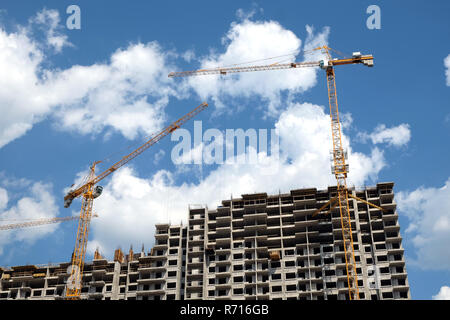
x,y
255,247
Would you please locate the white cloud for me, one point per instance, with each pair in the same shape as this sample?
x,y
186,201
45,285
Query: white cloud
x,y
188,55
447,72
37,203
309,147
3,198
242,14
250,41
158,156
130,206
48,20
428,211
444,294
395,136
127,94
20,104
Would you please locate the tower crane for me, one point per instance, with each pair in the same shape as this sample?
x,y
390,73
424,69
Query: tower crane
x,y
89,191
39,222
339,166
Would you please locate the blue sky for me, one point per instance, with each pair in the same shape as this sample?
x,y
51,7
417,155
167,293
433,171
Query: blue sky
x,y
113,71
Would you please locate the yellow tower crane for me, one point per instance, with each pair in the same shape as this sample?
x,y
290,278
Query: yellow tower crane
x,y
89,191
339,167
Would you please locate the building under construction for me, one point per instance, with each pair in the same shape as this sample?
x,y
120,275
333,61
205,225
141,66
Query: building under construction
x,y
256,247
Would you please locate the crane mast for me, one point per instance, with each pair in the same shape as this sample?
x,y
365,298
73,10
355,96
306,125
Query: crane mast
x,y
339,167
89,192
73,290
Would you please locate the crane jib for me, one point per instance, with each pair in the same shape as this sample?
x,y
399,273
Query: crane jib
x,y
171,128
365,59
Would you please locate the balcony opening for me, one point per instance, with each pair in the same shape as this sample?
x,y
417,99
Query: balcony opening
x,y
276,276
289,264
384,270
399,269
37,293
397,257
172,274
330,285
275,264
276,289
327,249
329,273
291,287
50,292
385,283
171,285
289,252
290,275
222,269
173,262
